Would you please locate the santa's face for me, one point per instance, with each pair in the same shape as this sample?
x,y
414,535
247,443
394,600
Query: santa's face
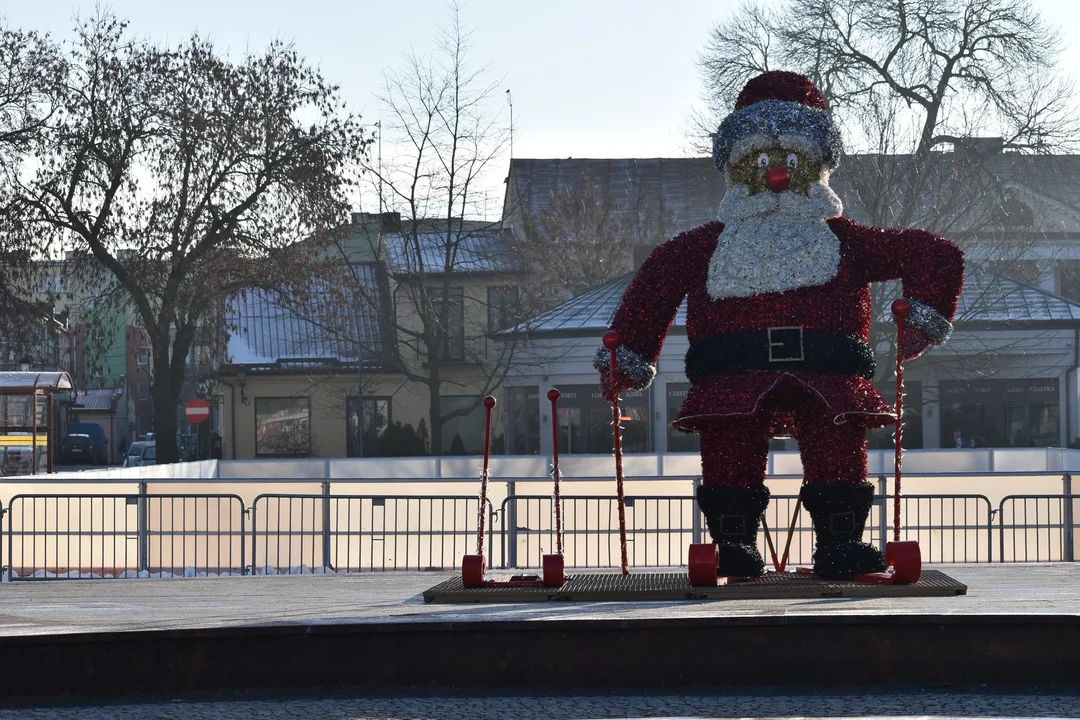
x,y
775,237
776,169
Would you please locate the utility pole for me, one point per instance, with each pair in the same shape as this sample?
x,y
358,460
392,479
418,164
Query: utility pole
x,y
510,101
379,125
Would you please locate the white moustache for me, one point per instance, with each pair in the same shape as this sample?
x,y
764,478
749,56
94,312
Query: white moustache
x,y
820,203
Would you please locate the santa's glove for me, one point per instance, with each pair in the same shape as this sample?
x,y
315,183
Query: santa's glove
x,y
923,327
631,371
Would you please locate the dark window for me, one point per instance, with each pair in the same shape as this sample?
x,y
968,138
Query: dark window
x,y
464,434
366,420
1068,272
283,426
523,419
453,333
144,356
504,306
144,391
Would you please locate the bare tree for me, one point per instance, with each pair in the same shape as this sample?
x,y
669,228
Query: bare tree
x,y
585,235
445,133
29,70
908,80
957,67
182,176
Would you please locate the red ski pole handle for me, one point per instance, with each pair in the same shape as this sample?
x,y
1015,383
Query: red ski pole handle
x,y
901,308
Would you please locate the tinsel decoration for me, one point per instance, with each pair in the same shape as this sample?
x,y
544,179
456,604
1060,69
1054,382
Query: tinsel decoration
x,y
931,269
733,515
777,124
734,452
780,85
839,512
740,396
634,371
778,110
929,321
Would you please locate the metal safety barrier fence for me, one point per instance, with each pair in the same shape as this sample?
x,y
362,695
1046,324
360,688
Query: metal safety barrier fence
x,y
351,533
112,536
62,536
659,529
1038,528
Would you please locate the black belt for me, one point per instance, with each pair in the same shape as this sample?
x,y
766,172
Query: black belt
x,y
779,349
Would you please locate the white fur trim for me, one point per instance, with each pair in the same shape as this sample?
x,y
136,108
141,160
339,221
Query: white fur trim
x,y
796,143
773,242
933,324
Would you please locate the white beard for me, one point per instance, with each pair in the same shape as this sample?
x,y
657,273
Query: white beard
x,y
774,242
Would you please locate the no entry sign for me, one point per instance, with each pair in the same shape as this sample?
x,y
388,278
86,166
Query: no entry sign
x,y
197,411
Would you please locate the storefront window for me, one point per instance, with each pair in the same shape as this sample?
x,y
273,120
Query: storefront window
x,y
882,438
523,419
283,426
1000,413
633,418
571,434
1034,425
678,441
366,420
464,434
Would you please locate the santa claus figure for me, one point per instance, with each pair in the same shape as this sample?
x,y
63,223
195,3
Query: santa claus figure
x,y
778,320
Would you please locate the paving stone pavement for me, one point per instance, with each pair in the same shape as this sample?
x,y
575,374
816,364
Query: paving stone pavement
x,y
888,704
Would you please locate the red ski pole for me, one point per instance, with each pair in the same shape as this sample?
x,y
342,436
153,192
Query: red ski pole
x,y
553,396
900,309
489,402
611,342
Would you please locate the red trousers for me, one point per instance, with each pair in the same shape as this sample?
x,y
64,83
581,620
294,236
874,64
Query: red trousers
x,y
735,452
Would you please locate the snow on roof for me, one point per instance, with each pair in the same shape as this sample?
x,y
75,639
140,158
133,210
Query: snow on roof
x,y
26,379
992,298
267,327
470,251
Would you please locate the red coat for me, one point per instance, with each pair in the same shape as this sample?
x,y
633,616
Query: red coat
x,y
930,267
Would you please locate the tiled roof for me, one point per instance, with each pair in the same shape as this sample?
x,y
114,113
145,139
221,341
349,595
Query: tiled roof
x,y
470,251
987,298
993,298
267,327
688,190
97,399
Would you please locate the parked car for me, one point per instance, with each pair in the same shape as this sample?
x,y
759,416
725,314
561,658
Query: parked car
x,y
77,449
96,433
141,453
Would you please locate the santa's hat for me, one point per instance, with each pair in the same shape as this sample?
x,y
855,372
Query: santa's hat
x,y
778,109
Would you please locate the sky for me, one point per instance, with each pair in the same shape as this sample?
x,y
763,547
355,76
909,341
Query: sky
x,y
588,78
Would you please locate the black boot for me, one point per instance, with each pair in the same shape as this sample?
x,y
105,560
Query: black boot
x,y
732,515
839,513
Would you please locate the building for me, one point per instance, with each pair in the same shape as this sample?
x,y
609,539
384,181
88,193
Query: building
x,y
343,370
1008,377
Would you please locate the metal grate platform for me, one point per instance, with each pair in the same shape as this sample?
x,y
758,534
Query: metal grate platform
x,y
676,586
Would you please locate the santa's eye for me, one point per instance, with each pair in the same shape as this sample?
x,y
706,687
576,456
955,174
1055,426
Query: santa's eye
x,y
763,160
792,161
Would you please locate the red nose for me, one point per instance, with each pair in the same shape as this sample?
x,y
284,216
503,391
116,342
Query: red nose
x,y
777,179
